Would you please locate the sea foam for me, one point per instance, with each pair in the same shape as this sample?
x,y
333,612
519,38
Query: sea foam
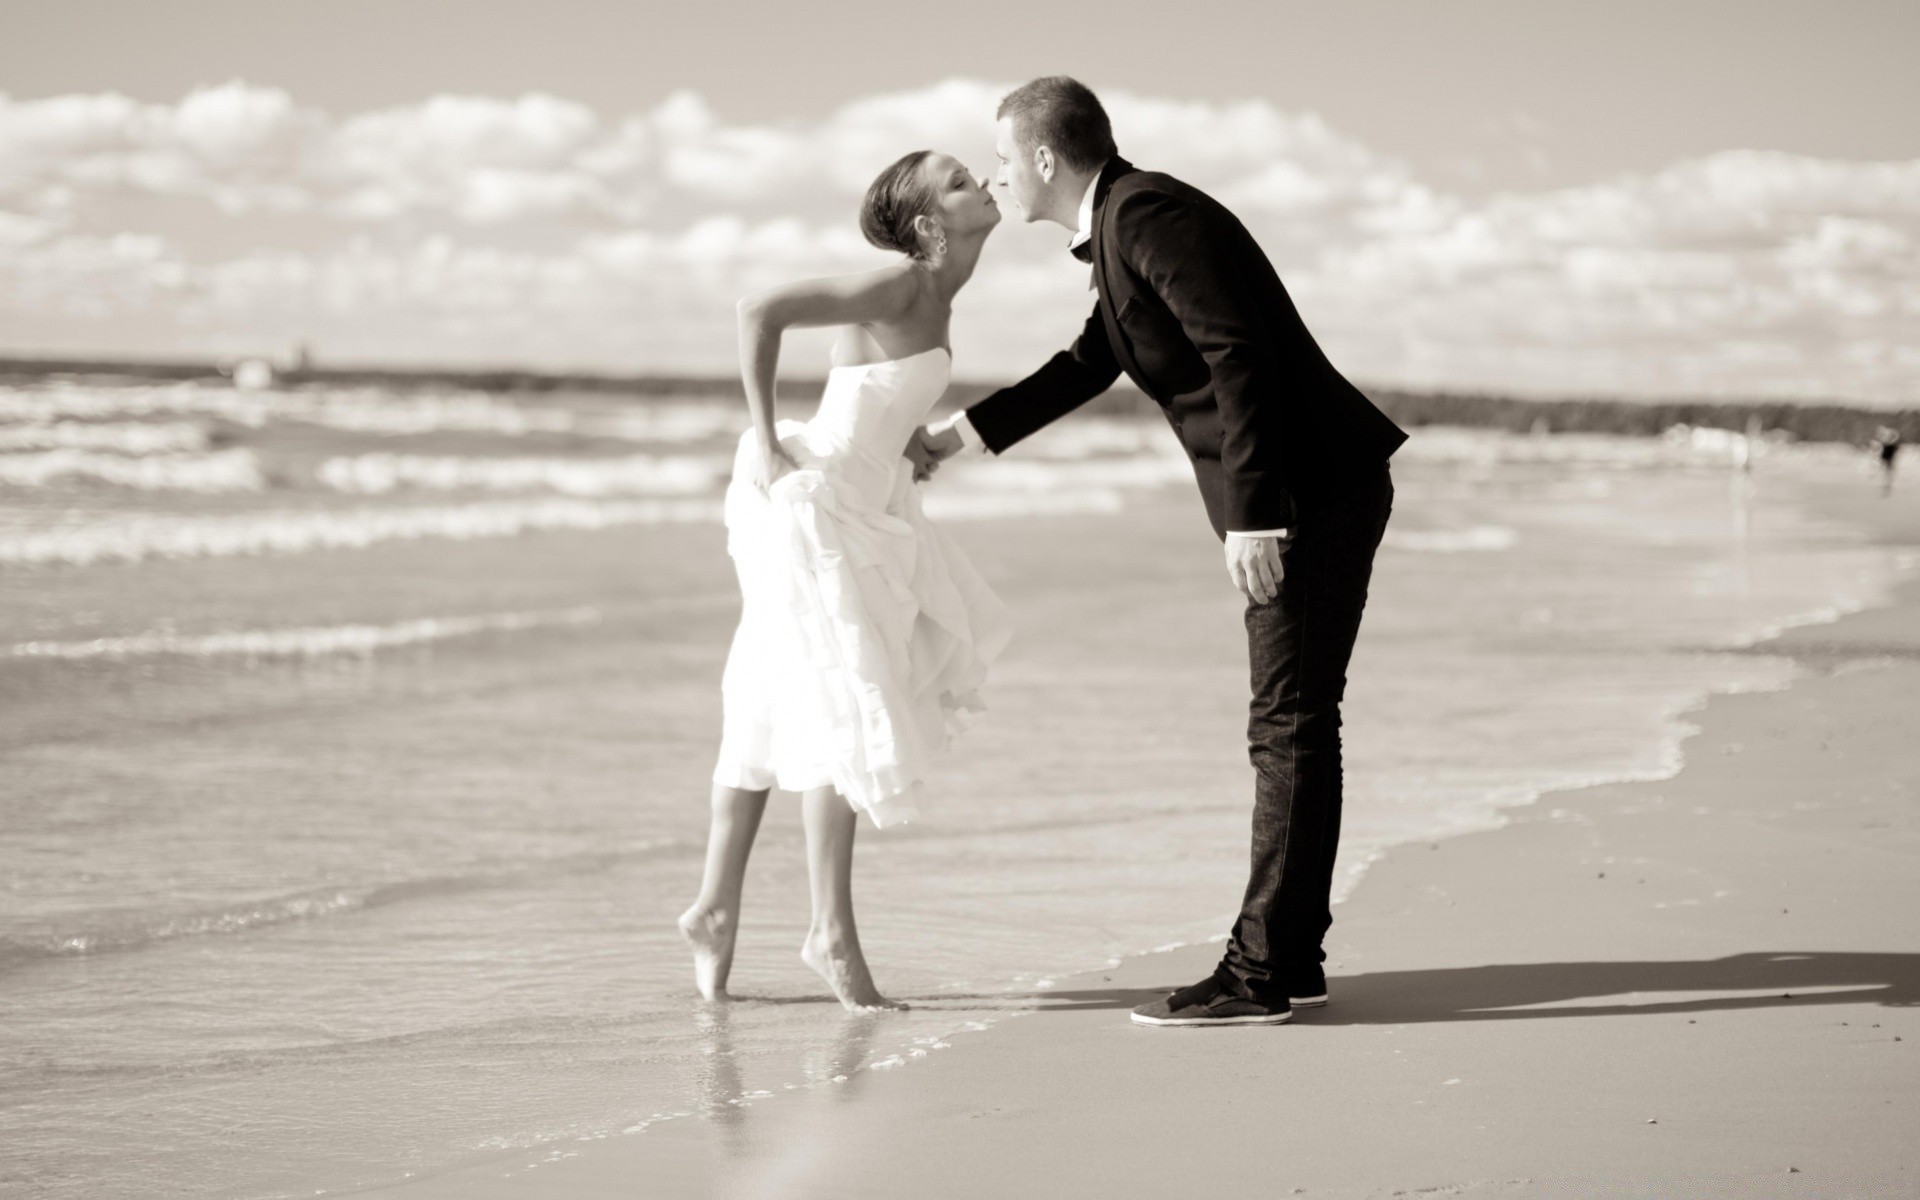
x,y
301,642
639,474
132,538
137,930
1471,540
126,437
64,401
233,470
1679,446
136,537
371,411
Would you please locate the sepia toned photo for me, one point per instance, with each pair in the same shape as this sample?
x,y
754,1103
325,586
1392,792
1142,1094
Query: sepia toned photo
x,y
862,601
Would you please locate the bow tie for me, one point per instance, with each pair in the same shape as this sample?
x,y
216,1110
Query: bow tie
x,y
1083,252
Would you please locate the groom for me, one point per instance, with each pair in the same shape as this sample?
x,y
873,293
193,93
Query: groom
x,y
1292,463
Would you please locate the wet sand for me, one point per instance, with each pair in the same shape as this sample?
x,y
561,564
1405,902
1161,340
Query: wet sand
x,y
1700,986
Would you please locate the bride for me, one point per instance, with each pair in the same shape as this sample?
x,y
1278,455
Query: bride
x,y
864,632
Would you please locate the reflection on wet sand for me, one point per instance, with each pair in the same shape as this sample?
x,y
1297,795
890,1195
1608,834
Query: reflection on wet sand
x,y
720,1092
745,1161
716,1071
838,1062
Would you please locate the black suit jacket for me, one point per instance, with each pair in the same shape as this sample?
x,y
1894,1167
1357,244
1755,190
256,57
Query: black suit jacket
x,y
1190,308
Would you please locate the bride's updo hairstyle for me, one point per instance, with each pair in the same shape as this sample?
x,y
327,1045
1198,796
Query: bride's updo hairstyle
x,y
894,199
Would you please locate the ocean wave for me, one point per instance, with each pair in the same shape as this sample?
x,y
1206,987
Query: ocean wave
x,y
373,411
655,421
368,410
640,474
137,537
233,470
1868,586
1679,446
52,402
307,642
126,437
1026,475
961,506
1094,437
112,933
134,538
1476,539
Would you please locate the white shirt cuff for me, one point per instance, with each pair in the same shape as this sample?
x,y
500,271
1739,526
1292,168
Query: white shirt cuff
x,y
1279,533
969,436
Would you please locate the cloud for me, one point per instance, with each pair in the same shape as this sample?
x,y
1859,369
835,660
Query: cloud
x,y
17,229
533,228
1742,272
478,159
237,146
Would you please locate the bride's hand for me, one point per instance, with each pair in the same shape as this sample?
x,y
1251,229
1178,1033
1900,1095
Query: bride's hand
x,y
922,455
774,463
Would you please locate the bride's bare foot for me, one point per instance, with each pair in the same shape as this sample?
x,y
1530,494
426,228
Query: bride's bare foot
x,y
838,960
709,933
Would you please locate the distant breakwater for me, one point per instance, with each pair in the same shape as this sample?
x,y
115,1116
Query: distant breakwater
x,y
1834,421
1806,422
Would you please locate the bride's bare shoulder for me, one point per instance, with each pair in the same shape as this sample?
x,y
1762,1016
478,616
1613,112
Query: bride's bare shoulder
x,y
884,294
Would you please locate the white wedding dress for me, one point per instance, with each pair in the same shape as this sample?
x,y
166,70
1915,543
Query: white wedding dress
x,y
864,633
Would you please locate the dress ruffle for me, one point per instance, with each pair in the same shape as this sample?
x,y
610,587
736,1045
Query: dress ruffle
x,y
865,633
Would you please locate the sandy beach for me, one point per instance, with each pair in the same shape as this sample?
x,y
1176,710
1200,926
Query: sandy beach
x,y
364,784
1701,986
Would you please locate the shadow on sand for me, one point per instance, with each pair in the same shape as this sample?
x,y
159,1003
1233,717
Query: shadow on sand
x,y
1532,991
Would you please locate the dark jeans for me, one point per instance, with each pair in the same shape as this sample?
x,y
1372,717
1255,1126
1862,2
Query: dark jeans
x,y
1299,646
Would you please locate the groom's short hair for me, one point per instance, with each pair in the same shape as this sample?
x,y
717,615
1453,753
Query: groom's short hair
x,y
1062,114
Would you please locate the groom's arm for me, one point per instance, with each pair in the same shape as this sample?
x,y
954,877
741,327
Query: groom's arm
x,y
1068,380
1182,252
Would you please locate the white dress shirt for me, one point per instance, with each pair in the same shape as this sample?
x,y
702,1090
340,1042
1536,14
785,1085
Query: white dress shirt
x,y
970,437
1084,233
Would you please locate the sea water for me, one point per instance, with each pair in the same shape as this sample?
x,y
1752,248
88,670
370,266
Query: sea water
x,y
354,750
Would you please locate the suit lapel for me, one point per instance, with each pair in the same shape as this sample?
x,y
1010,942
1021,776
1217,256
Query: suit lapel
x,y
1103,278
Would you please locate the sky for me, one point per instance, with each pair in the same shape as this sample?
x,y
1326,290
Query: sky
x,y
1677,198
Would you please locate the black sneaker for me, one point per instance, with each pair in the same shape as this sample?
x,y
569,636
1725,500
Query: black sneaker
x,y
1307,986
1210,1003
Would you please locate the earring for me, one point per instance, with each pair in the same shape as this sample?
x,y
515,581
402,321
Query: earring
x,y
940,245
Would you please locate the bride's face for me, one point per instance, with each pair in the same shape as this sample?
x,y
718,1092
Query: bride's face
x,y
963,204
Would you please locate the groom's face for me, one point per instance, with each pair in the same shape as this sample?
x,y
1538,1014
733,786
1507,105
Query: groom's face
x,y
1018,176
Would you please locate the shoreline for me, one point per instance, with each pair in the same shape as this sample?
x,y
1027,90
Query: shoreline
x,y
1059,1069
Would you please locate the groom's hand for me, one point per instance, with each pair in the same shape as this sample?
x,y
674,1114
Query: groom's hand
x,y
1255,565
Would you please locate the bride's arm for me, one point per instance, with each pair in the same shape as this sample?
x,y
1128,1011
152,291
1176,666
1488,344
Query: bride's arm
x,y
840,300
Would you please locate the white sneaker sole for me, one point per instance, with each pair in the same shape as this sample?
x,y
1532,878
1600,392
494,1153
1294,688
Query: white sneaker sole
x,y
1196,1022
1308,1001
